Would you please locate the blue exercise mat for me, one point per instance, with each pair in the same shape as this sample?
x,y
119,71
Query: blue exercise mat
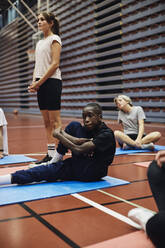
x,y
16,159
21,193
120,151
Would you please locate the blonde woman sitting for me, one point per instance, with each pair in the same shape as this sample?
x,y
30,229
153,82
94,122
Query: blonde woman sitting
x,y
132,120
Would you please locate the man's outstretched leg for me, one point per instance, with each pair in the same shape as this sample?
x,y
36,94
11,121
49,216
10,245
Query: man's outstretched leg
x,y
61,170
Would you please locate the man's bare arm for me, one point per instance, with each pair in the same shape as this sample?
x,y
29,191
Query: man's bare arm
x,y
75,140
77,145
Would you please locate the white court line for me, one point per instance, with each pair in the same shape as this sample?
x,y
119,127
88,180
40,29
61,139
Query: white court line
x,y
123,200
107,210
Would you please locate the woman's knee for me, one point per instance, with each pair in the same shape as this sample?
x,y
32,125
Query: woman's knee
x,y
154,136
154,172
157,136
55,119
118,133
46,122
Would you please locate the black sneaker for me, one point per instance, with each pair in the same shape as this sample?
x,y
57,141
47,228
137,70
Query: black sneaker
x,y
45,159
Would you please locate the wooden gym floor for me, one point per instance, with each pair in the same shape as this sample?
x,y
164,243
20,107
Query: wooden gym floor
x,y
66,221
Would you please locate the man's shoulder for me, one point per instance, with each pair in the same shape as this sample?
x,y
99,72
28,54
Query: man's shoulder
x,y
105,128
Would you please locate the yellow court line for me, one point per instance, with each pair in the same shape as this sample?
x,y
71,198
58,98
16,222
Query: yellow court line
x,y
142,154
123,200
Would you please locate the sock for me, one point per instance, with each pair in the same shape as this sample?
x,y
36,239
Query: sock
x,y
51,150
6,179
57,156
140,216
149,146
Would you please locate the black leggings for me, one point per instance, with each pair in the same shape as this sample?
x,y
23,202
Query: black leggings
x,y
155,227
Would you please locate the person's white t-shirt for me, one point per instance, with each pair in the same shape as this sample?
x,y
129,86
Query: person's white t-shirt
x,y
3,124
43,56
130,120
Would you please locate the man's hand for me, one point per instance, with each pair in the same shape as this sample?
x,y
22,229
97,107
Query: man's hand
x,y
57,132
160,158
138,142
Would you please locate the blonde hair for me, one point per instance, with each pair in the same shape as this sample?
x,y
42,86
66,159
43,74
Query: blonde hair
x,y
124,97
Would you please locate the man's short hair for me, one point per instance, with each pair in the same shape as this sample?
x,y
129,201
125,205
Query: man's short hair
x,y
97,108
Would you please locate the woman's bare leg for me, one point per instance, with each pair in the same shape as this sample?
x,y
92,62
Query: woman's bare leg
x,y
151,137
123,138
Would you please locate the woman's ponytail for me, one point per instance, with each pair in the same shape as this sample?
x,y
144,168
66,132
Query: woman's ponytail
x,y
56,27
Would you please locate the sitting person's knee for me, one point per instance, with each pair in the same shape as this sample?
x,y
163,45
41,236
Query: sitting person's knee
x,y
159,135
154,172
117,133
72,126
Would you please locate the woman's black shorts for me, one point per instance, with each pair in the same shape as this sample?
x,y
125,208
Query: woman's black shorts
x,y
49,94
133,136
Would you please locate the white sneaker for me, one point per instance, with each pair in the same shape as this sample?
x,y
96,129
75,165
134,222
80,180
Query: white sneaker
x,y
140,216
56,158
52,161
149,146
36,165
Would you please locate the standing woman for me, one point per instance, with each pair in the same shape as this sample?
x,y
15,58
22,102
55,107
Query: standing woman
x,y
47,77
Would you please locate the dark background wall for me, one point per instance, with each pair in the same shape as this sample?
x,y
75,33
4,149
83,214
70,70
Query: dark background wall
x,y
109,48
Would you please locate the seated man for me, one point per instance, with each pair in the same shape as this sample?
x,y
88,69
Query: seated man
x,y
154,224
132,120
93,147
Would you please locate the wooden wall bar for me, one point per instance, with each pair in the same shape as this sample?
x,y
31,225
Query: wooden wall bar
x,y
109,48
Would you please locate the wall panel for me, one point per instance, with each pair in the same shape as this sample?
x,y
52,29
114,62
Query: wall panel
x,y
109,47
